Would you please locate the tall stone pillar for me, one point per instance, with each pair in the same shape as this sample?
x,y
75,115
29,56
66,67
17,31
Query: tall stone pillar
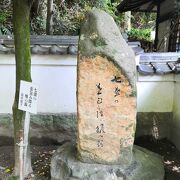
x,y
106,89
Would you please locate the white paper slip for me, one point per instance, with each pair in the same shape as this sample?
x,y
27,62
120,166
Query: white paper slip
x,y
28,97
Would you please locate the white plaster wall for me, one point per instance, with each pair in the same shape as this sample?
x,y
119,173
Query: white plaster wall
x,y
155,93
175,134
7,87
56,77
153,97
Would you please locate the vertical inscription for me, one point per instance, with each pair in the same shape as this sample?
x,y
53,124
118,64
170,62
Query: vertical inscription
x,y
100,129
106,113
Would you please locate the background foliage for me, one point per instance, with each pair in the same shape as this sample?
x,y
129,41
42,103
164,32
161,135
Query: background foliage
x,y
140,34
68,15
5,21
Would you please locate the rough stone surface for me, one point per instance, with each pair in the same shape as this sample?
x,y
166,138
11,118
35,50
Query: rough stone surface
x,y
157,124
100,36
45,128
145,166
58,127
106,92
63,127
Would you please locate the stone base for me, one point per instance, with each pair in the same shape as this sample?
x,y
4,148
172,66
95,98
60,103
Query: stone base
x,y
145,166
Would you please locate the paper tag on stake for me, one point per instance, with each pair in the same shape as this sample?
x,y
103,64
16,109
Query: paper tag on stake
x,y
28,96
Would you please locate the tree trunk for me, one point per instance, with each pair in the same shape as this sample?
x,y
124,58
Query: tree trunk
x,y
127,21
35,9
39,8
21,12
49,23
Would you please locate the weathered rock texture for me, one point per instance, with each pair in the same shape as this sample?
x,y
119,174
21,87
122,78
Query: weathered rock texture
x,y
106,92
157,124
45,129
145,166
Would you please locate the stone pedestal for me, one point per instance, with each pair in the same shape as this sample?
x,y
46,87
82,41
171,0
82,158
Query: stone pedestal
x,y
145,165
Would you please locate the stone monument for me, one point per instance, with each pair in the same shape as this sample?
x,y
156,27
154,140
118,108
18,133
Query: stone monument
x,y
106,111
106,93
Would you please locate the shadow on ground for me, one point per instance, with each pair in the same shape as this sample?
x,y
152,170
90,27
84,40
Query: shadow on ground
x,y
167,150
41,156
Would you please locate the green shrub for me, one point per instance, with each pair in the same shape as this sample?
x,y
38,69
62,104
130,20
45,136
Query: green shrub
x,y
140,34
5,25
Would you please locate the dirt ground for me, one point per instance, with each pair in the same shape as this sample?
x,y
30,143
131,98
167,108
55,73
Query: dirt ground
x,y
41,156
